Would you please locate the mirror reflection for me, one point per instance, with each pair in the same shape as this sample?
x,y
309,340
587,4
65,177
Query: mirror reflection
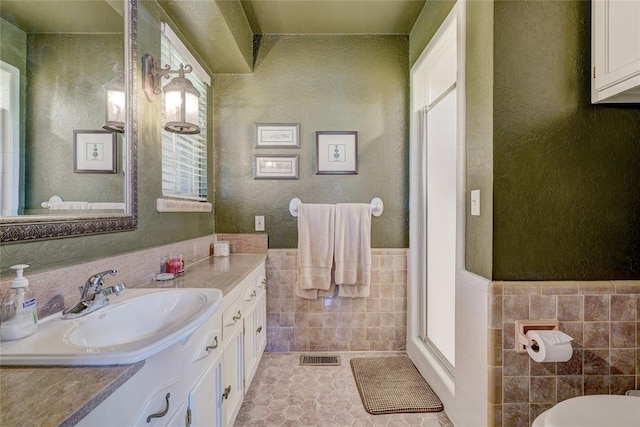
x,y
62,145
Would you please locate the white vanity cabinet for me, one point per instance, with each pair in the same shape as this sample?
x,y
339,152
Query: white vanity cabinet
x,y
144,394
204,369
255,324
261,309
615,51
199,381
232,362
170,382
204,403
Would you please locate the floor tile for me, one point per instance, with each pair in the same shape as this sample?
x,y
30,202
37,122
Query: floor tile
x,y
283,393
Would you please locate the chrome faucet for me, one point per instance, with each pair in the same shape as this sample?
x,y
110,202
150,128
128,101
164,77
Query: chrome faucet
x,y
93,296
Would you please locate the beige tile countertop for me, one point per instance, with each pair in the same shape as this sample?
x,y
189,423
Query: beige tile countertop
x,y
62,396
56,395
216,272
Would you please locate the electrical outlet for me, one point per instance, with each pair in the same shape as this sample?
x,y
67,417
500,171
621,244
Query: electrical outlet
x,y
259,223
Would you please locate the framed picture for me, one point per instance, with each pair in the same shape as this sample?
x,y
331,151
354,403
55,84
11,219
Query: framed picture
x,y
277,135
94,151
284,166
336,153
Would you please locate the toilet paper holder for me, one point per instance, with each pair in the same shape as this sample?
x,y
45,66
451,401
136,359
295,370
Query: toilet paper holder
x,y
524,326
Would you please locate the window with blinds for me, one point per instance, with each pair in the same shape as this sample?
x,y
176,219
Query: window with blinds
x,y
184,157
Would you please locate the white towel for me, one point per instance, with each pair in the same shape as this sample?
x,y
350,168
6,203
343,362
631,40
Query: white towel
x,y
315,250
353,249
68,205
106,205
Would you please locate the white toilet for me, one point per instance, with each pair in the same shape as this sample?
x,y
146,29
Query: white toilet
x,y
600,410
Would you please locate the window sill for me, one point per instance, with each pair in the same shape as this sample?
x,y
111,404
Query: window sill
x,y
171,205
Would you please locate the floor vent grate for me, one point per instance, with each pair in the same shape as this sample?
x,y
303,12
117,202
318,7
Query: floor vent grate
x,y
323,360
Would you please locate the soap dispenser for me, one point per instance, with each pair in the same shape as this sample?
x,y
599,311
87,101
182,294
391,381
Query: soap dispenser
x,y
19,311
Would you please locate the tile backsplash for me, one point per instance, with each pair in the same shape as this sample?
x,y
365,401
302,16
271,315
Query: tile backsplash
x,y
602,317
58,288
338,324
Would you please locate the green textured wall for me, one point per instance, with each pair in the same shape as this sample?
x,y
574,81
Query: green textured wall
x,y
431,17
479,136
357,83
13,45
64,93
479,117
566,173
154,229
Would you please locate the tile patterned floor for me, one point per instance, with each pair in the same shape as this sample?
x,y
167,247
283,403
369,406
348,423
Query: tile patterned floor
x,y
283,393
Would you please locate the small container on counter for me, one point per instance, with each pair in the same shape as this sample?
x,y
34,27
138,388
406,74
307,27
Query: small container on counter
x,y
175,264
221,249
19,310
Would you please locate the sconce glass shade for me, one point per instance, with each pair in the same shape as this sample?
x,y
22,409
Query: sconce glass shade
x,y
115,108
181,105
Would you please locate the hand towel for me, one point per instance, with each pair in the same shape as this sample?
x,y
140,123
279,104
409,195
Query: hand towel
x,y
353,249
69,205
315,249
106,205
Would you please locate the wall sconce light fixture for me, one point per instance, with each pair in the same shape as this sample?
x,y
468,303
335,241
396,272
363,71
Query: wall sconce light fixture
x,y
115,102
180,97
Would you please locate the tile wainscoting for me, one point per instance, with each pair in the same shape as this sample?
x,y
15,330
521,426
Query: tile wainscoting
x,y
58,288
376,323
602,317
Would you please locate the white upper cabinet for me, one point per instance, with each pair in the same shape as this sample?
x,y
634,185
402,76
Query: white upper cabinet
x,y
615,51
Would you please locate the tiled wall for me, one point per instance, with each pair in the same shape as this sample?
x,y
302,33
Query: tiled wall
x,y
602,317
339,324
57,289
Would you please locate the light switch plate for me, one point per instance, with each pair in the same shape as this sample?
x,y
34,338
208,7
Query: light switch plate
x,y
475,202
259,223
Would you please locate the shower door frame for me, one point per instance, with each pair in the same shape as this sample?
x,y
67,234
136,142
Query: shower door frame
x,y
432,364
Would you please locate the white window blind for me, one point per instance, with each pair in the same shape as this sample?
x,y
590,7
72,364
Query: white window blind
x,y
184,157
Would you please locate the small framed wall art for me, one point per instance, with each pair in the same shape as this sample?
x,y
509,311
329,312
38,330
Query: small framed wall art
x,y
275,166
94,151
277,135
336,153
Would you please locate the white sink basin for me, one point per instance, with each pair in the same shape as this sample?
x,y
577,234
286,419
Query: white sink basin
x,y
131,328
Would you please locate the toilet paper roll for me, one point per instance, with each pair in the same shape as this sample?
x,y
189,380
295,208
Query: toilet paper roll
x,y
553,346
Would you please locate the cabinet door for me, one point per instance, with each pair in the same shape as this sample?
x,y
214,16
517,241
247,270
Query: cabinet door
x,y
615,49
261,330
205,399
232,376
261,308
251,357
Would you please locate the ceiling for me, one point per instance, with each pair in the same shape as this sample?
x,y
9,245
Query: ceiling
x,y
264,16
222,31
332,16
64,16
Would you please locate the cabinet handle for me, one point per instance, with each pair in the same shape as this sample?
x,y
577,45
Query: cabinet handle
x,y
264,283
259,329
161,413
237,316
253,295
214,345
226,393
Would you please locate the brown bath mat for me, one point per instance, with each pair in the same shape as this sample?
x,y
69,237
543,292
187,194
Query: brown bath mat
x,y
390,385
